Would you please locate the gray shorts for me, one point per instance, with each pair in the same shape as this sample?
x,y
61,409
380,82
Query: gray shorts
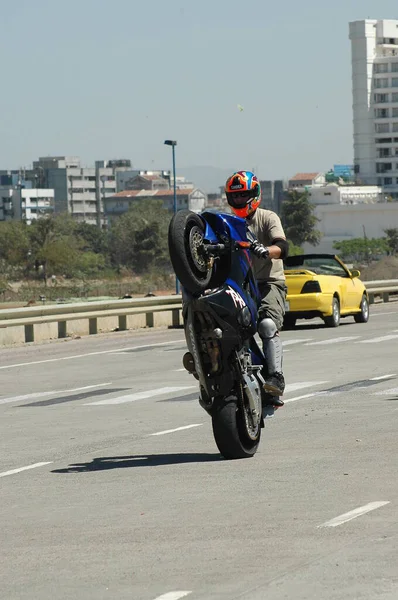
x,y
273,294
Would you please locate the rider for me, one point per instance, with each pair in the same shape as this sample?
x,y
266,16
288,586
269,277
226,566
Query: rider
x,y
244,197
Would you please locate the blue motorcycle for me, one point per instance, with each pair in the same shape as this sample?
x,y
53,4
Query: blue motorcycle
x,y
210,254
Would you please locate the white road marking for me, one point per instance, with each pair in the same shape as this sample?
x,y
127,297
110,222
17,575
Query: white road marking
x,y
384,338
353,514
142,395
292,387
173,596
311,395
334,340
389,392
297,341
50,360
382,377
177,429
13,471
51,393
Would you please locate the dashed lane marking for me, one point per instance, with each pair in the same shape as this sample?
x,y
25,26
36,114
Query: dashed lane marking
x,y
51,393
353,514
177,429
142,395
34,466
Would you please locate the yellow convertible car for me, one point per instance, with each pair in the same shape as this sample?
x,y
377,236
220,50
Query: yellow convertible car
x,y
320,285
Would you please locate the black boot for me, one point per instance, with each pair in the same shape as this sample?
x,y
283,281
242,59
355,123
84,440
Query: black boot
x,y
275,384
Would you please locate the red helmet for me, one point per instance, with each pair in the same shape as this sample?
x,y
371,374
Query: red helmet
x,y
243,193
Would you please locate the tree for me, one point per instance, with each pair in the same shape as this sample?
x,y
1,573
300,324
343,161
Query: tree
x,y
361,249
298,219
14,242
93,239
54,245
293,249
392,239
138,239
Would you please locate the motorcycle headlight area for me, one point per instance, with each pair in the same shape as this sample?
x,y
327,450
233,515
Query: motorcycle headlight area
x,y
245,317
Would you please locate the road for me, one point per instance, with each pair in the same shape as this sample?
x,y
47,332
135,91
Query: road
x,y
111,486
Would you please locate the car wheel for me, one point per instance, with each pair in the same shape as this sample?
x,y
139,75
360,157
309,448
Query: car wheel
x,y
289,323
363,316
334,320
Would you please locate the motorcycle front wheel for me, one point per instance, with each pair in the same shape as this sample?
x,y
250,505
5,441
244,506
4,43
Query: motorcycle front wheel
x,y
232,433
186,231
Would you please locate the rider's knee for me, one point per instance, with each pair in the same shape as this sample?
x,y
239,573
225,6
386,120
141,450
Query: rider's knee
x,y
266,328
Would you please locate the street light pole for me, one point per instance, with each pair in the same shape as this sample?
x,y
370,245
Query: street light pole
x,y
173,144
174,179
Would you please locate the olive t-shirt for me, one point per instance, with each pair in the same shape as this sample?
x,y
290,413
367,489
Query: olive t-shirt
x,y
266,226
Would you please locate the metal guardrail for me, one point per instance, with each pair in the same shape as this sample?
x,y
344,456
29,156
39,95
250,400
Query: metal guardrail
x,y
30,316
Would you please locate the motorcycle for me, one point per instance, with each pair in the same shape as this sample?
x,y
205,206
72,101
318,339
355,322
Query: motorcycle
x,y
210,254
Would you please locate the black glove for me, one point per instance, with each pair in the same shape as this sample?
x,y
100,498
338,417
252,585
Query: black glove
x,y
259,250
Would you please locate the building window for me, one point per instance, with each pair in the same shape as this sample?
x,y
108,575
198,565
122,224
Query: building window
x,y
383,167
394,97
381,83
394,82
394,126
383,127
394,67
383,140
382,113
381,68
387,180
384,152
381,98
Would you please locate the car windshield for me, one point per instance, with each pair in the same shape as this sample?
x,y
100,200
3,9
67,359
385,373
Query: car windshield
x,y
318,264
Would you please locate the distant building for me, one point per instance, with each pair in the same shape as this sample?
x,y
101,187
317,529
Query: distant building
x,y
272,195
25,204
302,180
346,194
135,179
339,222
193,199
78,190
374,53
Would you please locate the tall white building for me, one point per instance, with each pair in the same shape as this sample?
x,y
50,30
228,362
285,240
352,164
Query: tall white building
x,y
374,46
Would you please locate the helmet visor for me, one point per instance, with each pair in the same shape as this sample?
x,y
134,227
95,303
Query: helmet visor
x,y
240,199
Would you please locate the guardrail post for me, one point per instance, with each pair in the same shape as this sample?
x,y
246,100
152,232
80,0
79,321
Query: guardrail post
x,y
371,298
386,296
149,319
122,322
29,333
62,329
176,317
92,326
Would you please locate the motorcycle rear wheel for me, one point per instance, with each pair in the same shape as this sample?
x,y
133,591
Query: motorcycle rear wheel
x,y
229,429
186,231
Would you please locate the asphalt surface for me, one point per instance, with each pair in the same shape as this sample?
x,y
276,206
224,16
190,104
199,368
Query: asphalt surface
x,y
93,504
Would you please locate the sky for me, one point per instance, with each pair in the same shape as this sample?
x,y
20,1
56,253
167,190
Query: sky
x,y
104,79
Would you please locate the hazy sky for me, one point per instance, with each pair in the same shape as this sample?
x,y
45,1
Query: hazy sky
x,y
114,78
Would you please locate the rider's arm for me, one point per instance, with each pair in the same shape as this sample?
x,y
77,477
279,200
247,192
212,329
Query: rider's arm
x,y
278,249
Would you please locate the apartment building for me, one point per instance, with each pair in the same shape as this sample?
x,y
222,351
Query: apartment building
x,y
25,204
78,190
374,49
